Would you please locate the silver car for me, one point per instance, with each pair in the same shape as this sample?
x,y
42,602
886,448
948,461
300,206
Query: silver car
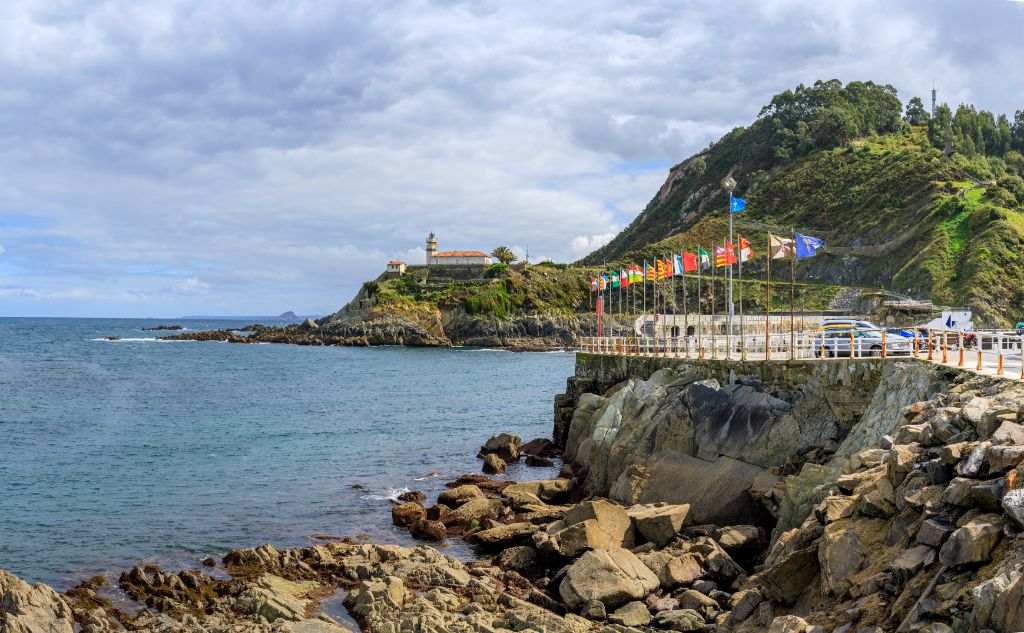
x,y
837,342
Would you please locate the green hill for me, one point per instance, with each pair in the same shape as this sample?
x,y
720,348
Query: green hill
x,y
840,163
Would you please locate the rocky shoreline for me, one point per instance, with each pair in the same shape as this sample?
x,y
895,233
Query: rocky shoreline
x,y
905,517
456,329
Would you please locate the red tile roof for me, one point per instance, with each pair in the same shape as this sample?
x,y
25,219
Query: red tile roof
x,y
462,254
395,263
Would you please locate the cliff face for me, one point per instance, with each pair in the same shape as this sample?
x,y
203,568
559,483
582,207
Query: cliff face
x,y
893,489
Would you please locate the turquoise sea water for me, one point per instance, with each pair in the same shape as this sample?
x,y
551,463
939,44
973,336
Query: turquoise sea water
x,y
116,452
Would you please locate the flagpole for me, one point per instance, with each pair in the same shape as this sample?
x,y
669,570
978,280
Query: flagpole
x,y
792,299
729,318
714,334
768,303
700,324
743,342
686,313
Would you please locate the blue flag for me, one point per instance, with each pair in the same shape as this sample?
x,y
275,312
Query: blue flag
x,y
736,204
807,246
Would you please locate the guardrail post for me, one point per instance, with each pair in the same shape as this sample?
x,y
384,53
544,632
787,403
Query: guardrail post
x,y
960,344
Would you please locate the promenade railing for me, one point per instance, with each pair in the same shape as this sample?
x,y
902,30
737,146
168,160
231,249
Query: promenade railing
x,y
988,351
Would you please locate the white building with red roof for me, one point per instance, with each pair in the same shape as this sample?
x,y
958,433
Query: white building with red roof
x,y
454,258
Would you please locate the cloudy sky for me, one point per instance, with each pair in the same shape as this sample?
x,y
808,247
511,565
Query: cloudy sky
x,y
230,157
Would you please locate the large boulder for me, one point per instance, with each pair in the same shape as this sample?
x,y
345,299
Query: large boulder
x,y
659,524
679,620
504,445
999,602
612,577
459,495
547,490
972,543
405,514
473,510
1013,505
673,568
493,465
840,556
503,536
791,575
28,608
597,524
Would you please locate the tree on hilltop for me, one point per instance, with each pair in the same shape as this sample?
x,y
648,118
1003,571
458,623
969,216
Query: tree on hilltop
x,y
916,114
504,255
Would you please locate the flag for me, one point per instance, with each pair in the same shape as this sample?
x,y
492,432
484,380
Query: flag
x,y
667,267
736,204
604,281
705,259
779,247
625,279
745,251
725,255
594,284
614,277
677,265
689,263
635,276
807,246
660,266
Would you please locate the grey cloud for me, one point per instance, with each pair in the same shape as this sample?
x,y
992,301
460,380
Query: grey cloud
x,y
281,149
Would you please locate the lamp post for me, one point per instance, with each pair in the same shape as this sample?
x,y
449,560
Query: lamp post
x,y
729,184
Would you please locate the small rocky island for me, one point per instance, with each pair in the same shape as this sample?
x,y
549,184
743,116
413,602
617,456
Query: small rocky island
x,y
851,497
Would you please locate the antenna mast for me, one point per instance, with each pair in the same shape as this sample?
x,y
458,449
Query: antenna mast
x,y
933,97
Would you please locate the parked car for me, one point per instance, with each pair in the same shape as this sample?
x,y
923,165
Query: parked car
x,y
830,324
838,342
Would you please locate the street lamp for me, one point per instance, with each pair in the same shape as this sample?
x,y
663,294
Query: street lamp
x,y
729,184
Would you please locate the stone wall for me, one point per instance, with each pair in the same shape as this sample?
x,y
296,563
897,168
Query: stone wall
x,y
847,385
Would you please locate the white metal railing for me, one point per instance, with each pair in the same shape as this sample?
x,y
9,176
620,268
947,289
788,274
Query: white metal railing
x,y
991,351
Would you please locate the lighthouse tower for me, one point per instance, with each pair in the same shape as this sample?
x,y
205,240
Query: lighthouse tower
x,y
431,248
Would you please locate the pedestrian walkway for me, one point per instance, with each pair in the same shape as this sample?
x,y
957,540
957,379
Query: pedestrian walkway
x,y
986,352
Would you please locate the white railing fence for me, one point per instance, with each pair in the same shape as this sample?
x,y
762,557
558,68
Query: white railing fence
x,y
982,350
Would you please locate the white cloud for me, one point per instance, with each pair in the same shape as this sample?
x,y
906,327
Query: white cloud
x,y
203,156
583,244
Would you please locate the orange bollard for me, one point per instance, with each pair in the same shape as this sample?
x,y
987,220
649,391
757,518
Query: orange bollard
x,y
883,344
917,348
929,344
960,363
945,347
999,342
979,355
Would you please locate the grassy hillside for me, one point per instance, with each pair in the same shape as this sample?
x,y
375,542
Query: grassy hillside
x,y
893,210
508,291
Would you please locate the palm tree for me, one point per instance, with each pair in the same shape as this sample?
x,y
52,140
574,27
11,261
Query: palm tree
x,y
504,255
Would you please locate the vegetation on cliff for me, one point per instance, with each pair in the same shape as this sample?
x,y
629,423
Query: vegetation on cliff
x,y
838,162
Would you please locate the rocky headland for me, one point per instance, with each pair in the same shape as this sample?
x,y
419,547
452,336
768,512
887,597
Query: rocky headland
x,y
848,496
433,329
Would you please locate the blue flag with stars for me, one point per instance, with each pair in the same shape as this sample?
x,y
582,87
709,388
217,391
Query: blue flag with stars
x,y
736,204
807,246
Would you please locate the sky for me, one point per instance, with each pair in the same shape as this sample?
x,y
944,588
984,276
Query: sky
x,y
227,157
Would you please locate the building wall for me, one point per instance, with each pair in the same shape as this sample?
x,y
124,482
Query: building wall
x,y
459,261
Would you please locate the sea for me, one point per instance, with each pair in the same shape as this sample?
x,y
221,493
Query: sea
x,y
121,452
